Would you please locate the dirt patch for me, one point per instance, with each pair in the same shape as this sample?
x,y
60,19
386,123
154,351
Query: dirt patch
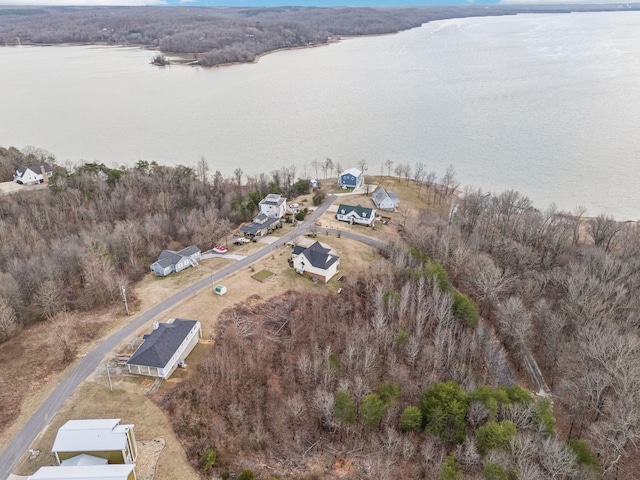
x,y
148,455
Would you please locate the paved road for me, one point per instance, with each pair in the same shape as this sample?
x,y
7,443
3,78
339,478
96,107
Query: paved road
x,y
23,439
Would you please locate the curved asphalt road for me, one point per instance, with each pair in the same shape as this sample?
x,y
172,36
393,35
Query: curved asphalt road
x,y
39,420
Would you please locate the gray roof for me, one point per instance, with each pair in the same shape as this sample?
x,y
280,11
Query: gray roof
x,y
93,472
159,346
361,211
91,435
254,227
319,256
272,199
188,251
34,168
380,194
170,257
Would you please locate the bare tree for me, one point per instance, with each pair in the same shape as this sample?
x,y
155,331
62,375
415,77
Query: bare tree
x,y
603,230
8,320
203,169
388,164
419,172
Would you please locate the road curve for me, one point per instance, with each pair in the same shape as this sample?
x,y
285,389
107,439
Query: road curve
x,y
19,444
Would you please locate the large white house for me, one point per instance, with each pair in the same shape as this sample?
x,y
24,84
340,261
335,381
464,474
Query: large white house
x,y
93,441
273,205
32,174
357,214
165,347
315,261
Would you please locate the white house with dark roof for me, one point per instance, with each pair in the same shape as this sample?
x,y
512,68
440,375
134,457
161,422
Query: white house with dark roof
x,y
170,261
94,440
165,347
273,205
261,225
385,200
316,261
89,472
357,214
351,178
32,174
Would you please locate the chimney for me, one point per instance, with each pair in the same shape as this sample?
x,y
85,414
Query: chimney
x,y
45,177
155,325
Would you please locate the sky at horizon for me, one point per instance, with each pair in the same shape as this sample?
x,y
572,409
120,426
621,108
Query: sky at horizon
x,y
278,3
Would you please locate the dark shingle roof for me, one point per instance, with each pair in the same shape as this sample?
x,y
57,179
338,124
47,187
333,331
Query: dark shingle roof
x,y
188,251
253,228
160,345
35,168
320,256
168,258
361,211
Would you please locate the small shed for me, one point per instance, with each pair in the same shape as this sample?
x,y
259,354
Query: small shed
x,y
220,289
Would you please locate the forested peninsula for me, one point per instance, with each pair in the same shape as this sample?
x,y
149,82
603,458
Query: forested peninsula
x,y
221,35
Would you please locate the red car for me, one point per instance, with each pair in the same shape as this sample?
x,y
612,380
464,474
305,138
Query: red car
x,y
219,249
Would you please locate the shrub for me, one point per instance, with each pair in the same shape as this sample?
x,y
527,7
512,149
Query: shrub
x,y
344,408
444,409
450,469
371,410
410,419
207,459
495,435
583,454
493,471
246,475
465,310
389,393
544,417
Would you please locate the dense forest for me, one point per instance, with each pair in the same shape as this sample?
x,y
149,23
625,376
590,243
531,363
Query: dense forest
x,y
395,377
220,35
392,378
73,245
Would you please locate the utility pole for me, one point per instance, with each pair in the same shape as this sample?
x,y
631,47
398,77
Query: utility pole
x,y
106,365
124,296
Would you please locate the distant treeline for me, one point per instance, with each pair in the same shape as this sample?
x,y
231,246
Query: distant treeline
x,y
219,35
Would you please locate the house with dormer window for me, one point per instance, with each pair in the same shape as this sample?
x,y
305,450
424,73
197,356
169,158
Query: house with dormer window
x,y
358,214
316,261
350,178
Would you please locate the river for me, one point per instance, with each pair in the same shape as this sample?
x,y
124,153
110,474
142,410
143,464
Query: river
x,y
548,105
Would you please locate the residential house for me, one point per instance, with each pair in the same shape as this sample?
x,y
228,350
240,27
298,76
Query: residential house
x,y
351,178
261,225
32,174
165,348
385,200
170,261
87,472
315,261
357,214
273,205
102,438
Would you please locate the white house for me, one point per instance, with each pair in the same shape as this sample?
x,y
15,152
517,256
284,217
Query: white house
x,y
32,174
357,214
88,472
94,440
165,347
315,261
385,200
170,261
273,205
351,178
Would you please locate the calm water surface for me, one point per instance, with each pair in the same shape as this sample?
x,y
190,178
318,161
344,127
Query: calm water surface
x,y
545,104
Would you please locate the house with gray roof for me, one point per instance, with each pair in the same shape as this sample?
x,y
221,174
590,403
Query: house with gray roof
x,y
261,225
33,174
316,261
170,261
385,200
358,214
94,440
165,348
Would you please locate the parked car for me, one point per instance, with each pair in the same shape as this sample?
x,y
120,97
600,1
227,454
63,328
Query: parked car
x,y
241,241
219,249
